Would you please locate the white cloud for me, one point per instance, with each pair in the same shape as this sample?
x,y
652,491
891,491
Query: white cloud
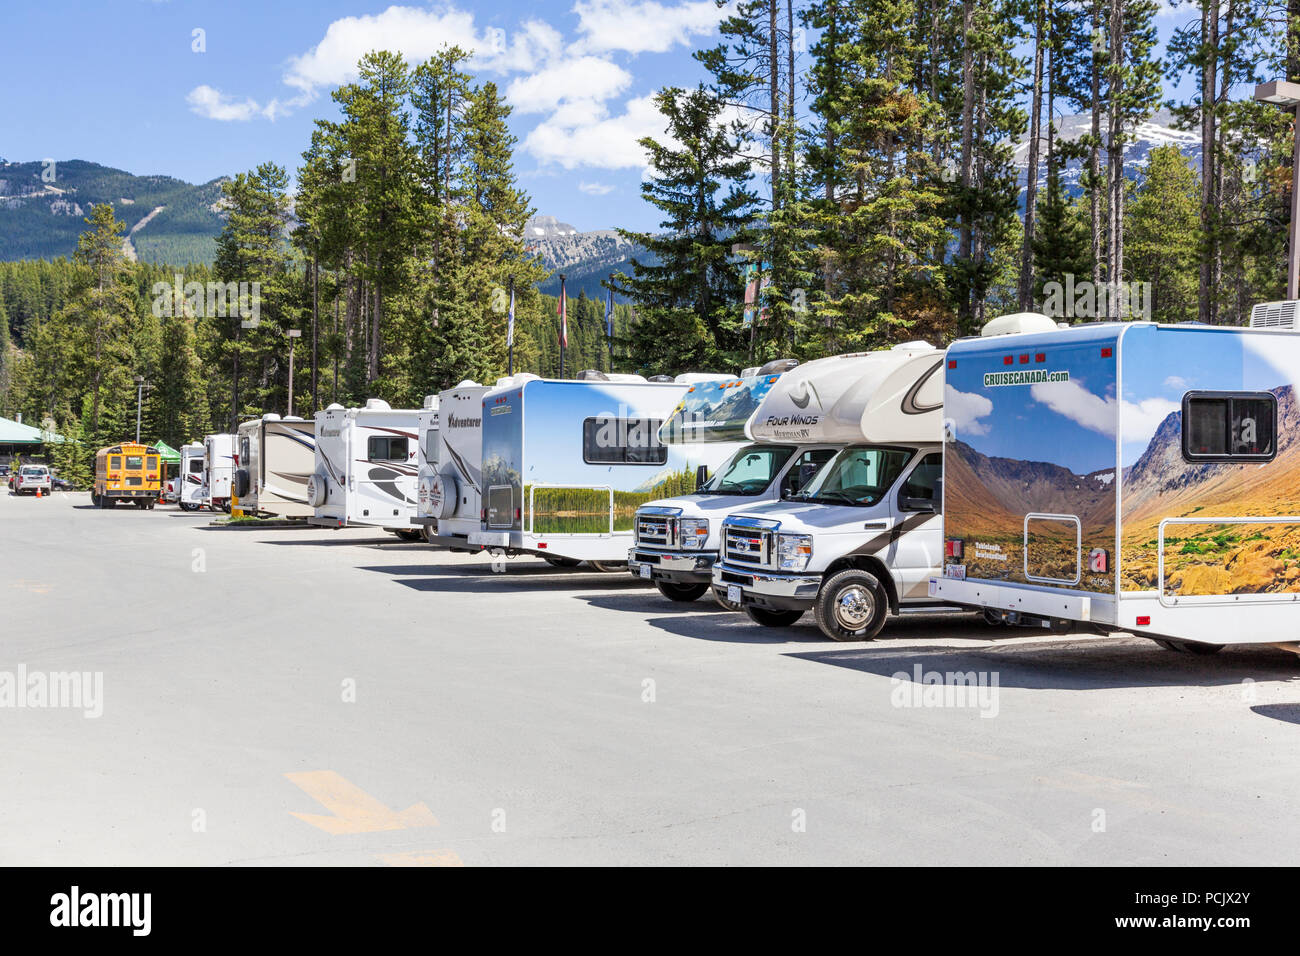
x,y
213,104
1177,383
595,189
963,411
643,26
1101,414
581,134
585,79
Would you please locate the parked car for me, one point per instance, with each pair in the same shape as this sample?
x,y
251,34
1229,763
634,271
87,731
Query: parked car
x,y
59,484
31,479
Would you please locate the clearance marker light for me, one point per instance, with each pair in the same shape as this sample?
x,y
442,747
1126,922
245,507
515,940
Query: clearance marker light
x,y
952,363
1106,353
1144,620
1009,360
1040,357
1024,360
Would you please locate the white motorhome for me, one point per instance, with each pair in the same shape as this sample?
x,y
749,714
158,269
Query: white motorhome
x,y
365,468
862,537
191,480
218,470
1127,477
450,480
276,458
676,540
426,457
567,462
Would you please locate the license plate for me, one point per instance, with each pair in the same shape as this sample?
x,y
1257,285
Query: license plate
x,y
644,571
957,571
733,593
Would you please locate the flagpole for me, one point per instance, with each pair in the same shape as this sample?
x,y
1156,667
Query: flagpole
x,y
510,331
609,326
564,323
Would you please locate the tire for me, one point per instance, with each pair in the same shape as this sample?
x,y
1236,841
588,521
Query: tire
x,y
94,500
427,534
1188,647
409,534
609,567
555,561
852,606
189,506
770,618
720,596
681,592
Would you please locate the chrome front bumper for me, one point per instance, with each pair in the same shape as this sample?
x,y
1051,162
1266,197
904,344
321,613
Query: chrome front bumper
x,y
677,567
767,588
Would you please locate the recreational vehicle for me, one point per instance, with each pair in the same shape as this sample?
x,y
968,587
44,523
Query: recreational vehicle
x,y
426,457
862,537
191,478
676,540
566,463
1126,476
218,470
450,480
365,468
276,459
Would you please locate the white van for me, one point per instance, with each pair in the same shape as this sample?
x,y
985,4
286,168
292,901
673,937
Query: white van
x,y
219,470
365,468
862,537
191,480
676,540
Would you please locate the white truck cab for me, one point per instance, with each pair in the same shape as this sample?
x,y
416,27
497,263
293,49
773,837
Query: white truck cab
x,y
676,540
862,537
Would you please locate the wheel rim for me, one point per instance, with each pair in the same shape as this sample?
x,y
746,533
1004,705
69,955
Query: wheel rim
x,y
854,607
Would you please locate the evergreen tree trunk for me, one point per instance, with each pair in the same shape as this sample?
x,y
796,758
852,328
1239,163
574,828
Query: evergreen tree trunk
x,y
1031,184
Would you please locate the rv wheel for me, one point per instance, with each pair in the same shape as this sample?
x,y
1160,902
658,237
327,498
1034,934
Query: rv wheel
x,y
1188,647
681,592
720,596
189,506
770,618
409,534
555,561
852,606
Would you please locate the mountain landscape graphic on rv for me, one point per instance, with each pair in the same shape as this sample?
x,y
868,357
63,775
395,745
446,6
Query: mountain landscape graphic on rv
x,y
1072,428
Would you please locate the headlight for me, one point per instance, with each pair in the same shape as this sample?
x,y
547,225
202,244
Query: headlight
x,y
794,551
693,532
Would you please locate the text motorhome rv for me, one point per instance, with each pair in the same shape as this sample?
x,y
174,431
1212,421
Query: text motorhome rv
x,y
190,480
365,468
276,459
862,537
218,470
1126,476
677,539
566,463
450,481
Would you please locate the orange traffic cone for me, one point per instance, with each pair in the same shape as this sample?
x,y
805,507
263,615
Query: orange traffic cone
x,y
38,492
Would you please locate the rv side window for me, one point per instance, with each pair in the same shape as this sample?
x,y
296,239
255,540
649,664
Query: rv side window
x,y
622,441
1229,426
196,465
386,448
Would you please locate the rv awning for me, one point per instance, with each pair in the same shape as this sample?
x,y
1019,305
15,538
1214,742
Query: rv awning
x,y
16,433
167,454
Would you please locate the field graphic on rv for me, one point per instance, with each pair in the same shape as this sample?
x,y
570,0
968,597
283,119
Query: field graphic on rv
x,y
1047,484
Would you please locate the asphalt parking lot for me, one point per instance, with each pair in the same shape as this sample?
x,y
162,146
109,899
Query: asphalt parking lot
x,y
303,696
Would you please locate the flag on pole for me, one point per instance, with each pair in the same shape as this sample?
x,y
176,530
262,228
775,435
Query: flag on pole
x,y
510,322
562,310
609,314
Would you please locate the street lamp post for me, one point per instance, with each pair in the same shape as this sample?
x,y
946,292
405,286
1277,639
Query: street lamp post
x,y
139,398
1285,94
293,334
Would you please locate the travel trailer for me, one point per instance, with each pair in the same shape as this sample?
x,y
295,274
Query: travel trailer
x,y
566,463
676,540
276,457
1126,477
190,480
450,481
218,470
862,537
365,468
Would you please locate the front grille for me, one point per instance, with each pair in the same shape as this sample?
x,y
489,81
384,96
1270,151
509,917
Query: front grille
x,y
746,546
745,580
656,530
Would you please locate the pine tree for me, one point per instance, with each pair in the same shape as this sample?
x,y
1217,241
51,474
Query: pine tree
x,y
1163,235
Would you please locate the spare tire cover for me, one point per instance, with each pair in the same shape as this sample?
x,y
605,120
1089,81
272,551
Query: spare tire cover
x,y
443,493
241,483
316,490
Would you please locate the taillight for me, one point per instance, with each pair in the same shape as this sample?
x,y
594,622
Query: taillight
x,y
954,548
518,514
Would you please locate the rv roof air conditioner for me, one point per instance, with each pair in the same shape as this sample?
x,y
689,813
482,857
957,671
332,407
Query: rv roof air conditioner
x,y
915,346
748,372
469,383
333,407
270,417
430,402
378,405
1276,315
660,378
293,418
1018,322
776,367
591,375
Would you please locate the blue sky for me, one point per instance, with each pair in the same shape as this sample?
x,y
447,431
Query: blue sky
x,y
119,82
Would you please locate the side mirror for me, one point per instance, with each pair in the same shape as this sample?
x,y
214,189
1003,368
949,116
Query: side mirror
x,y
917,504
701,476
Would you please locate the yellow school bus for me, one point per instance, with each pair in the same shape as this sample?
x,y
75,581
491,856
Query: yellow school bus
x,y
127,472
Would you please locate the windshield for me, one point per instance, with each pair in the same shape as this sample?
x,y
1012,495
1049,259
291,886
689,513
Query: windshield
x,y
749,471
859,475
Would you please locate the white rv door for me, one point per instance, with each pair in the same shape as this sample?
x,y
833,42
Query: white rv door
x,y
915,553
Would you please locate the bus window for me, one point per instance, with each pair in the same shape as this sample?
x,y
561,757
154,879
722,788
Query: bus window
x,y
115,462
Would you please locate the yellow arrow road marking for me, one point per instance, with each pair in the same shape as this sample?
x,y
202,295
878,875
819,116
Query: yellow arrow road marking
x,y
422,858
354,810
